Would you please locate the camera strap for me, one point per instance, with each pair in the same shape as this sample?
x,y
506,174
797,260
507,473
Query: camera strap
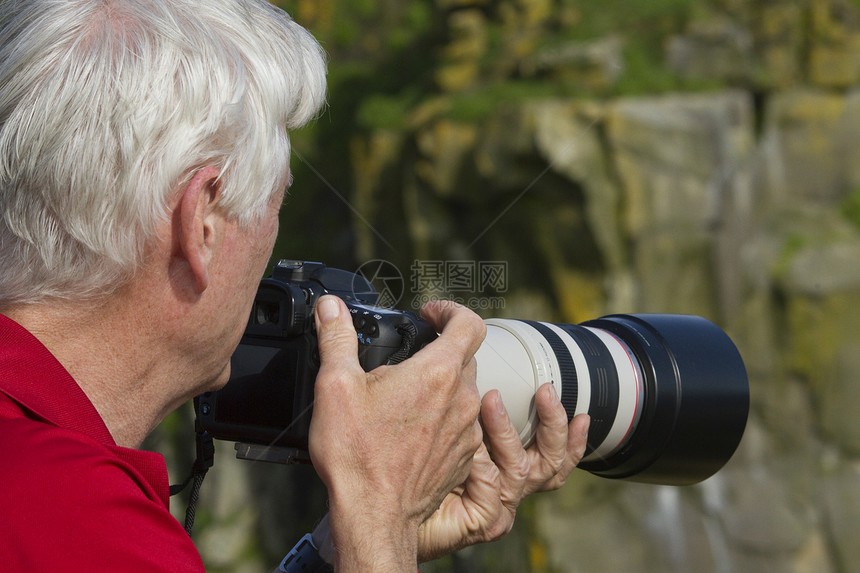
x,y
205,460
408,333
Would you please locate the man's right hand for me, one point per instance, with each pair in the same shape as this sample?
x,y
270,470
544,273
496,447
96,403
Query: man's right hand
x,y
391,443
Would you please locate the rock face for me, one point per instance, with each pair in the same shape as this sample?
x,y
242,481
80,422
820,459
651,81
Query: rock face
x,y
738,201
674,203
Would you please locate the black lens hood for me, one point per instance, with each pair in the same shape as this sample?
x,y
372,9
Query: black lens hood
x,y
696,399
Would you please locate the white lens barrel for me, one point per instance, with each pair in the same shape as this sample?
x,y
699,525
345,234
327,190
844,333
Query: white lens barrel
x,y
516,360
517,357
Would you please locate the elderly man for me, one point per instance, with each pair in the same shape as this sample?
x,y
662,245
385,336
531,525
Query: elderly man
x,y
143,159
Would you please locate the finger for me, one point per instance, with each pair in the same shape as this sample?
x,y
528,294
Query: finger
x,y
336,338
481,496
461,330
551,437
465,513
502,438
506,448
577,437
482,484
549,452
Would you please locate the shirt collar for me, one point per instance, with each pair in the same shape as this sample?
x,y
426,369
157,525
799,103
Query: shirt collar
x,y
32,377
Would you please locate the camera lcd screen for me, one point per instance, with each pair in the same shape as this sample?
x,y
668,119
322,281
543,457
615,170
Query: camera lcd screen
x,y
250,360
261,388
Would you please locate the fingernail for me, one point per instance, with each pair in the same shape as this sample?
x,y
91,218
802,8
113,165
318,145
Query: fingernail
x,y
500,406
587,425
553,394
327,309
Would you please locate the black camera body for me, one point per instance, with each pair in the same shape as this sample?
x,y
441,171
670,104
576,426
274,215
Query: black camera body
x,y
266,406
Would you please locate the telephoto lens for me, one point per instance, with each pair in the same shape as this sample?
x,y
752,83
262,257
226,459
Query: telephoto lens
x,y
668,395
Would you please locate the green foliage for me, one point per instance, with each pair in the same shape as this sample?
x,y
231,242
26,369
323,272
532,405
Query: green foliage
x,y
381,111
478,105
362,28
418,18
850,207
794,243
645,28
653,18
645,73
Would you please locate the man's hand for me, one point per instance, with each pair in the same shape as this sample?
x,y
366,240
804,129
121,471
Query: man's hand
x,y
484,507
391,443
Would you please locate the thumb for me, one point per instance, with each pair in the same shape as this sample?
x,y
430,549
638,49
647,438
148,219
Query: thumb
x,y
336,338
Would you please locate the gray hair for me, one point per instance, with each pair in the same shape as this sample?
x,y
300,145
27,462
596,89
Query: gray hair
x,y
108,106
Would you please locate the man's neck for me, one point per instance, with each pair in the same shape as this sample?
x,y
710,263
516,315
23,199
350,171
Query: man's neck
x,y
125,373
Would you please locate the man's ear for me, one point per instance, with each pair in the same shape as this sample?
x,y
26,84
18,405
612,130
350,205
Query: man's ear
x,y
198,223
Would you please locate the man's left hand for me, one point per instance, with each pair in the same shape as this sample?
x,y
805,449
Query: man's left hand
x,y
503,473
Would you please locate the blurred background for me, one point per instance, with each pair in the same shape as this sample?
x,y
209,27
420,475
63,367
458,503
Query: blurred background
x,y
681,156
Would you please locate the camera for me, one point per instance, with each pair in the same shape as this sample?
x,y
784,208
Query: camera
x,y
667,394
266,405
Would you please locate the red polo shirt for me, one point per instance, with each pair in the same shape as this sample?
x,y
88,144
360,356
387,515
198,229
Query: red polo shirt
x,y
70,498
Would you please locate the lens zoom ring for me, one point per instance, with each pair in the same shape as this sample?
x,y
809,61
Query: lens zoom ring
x,y
604,383
566,367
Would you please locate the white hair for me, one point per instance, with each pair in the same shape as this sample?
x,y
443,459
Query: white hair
x,y
109,106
